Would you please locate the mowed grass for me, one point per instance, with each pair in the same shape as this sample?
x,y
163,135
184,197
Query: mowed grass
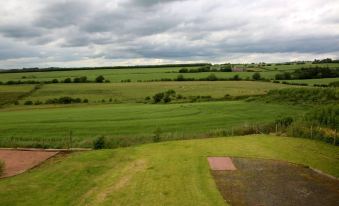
x,y
130,121
170,173
10,93
136,92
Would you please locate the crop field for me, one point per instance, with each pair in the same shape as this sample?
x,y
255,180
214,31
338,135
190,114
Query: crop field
x,y
173,173
10,93
136,92
131,122
147,74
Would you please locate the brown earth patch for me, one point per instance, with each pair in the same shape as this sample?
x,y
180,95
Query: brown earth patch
x,y
17,162
221,163
278,183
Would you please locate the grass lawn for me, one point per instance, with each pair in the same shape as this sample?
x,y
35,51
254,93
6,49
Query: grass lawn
x,y
136,92
169,173
130,121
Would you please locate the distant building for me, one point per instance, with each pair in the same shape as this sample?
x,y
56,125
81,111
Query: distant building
x,y
238,69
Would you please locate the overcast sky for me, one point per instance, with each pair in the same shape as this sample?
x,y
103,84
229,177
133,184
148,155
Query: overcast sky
x,y
128,32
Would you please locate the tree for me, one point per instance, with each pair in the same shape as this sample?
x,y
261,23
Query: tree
x,y
180,77
212,77
100,79
67,80
256,76
158,97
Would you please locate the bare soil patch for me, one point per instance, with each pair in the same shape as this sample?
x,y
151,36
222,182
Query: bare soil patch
x,y
278,183
17,162
221,163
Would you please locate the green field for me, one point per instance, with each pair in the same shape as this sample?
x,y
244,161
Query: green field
x,y
117,75
10,93
311,82
171,173
132,122
136,92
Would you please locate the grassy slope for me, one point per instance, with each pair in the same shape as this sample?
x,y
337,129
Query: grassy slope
x,y
10,93
135,120
170,173
132,92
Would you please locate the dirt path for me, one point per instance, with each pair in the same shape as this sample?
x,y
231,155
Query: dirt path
x,y
269,182
17,162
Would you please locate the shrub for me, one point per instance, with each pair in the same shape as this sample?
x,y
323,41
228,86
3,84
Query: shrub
x,y
334,84
183,70
68,80
100,79
157,135
158,97
28,102
99,143
212,77
55,81
85,101
180,77
256,76
2,167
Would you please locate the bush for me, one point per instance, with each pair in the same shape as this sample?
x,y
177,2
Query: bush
x,y
55,81
2,167
68,80
334,84
157,135
99,143
28,102
212,77
256,76
158,97
180,77
100,79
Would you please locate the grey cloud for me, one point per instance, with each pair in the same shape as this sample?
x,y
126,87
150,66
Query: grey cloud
x,y
19,31
175,29
62,14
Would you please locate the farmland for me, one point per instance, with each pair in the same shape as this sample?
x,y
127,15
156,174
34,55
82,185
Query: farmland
x,y
136,92
131,122
137,133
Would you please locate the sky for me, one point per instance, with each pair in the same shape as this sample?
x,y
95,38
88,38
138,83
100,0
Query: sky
x,y
75,33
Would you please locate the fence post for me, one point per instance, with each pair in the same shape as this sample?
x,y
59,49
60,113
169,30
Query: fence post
x,y
311,131
335,136
70,139
276,128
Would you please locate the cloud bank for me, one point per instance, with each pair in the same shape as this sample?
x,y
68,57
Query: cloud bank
x,y
128,32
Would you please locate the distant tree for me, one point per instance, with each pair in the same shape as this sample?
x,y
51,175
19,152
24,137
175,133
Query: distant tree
x,y
158,97
256,76
180,77
212,77
100,79
68,80
55,81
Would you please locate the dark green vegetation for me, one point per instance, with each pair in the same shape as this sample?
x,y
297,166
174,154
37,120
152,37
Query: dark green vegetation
x,y
170,173
303,96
